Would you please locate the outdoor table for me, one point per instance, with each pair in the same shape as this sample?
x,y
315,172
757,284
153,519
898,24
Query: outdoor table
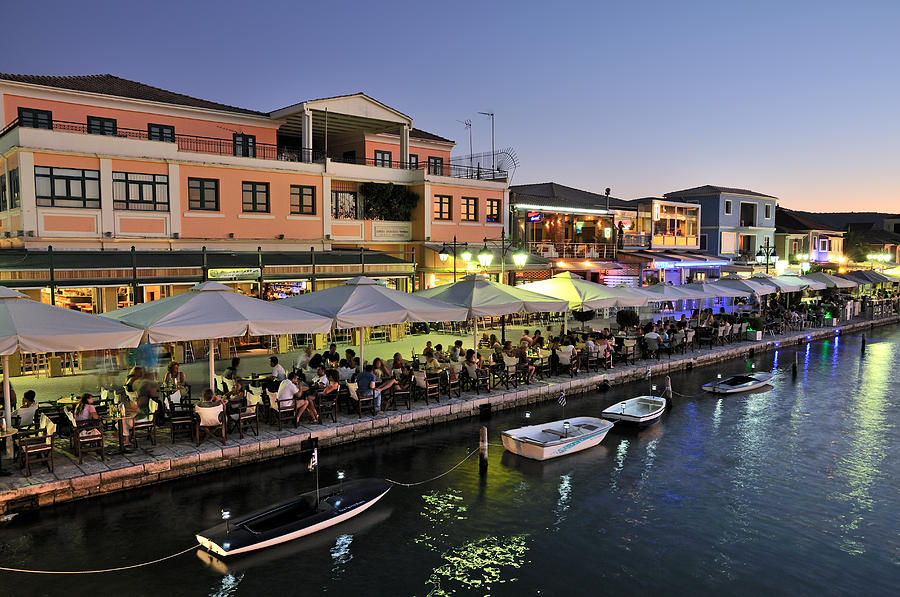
x,y
120,425
68,401
9,433
256,379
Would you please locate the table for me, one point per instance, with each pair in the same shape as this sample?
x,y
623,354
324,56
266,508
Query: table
x,y
10,432
120,420
68,401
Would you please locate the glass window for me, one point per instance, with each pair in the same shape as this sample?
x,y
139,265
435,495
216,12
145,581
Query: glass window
x,y
303,200
67,187
768,210
255,196
140,192
728,207
442,207
203,194
3,205
469,209
161,132
413,161
245,145
493,210
344,205
435,165
14,199
97,125
36,119
383,158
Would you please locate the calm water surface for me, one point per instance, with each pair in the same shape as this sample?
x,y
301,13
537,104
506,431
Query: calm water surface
x,y
793,490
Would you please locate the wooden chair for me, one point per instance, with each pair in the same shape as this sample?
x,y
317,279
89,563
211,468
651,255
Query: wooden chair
x,y
147,425
651,348
180,418
326,404
401,394
424,387
364,399
281,410
510,375
477,379
87,436
37,448
593,361
211,421
453,380
690,336
567,364
246,416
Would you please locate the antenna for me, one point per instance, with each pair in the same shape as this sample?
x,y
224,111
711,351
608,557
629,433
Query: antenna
x,y
468,124
493,153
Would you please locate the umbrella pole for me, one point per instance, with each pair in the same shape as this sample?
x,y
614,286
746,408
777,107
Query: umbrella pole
x,y
475,334
212,366
362,348
7,412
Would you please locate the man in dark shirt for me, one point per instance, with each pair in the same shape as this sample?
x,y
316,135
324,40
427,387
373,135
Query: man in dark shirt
x,y
366,383
331,355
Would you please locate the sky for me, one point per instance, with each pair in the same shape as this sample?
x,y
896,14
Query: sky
x,y
796,99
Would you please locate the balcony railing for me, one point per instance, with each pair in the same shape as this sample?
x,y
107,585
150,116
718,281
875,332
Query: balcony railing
x,y
550,250
635,239
267,151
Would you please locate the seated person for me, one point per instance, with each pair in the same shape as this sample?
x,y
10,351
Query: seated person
x,y
349,354
133,379
485,341
174,376
380,370
278,375
366,381
289,391
316,360
331,355
432,364
237,391
85,410
26,412
303,359
231,370
345,371
398,367
439,352
319,380
526,339
525,365
456,351
652,334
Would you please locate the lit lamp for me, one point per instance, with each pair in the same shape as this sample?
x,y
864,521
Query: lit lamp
x,y
485,256
804,266
444,255
466,255
520,258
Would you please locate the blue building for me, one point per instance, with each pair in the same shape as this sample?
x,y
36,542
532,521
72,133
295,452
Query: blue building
x,y
734,223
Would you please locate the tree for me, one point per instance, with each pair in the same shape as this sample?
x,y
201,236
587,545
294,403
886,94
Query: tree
x,y
627,318
388,201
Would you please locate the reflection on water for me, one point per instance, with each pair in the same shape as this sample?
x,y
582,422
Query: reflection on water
x,y
440,509
478,565
340,553
562,504
228,586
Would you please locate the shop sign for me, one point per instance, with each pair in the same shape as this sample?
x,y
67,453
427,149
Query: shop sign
x,y
391,231
534,216
233,273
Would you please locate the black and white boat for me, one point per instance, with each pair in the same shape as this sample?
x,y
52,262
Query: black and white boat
x,y
642,411
738,383
294,518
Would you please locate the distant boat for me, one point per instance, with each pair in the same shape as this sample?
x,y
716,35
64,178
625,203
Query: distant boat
x,y
643,410
738,383
557,438
293,518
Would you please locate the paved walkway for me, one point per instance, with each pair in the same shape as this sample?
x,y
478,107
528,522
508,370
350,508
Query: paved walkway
x,y
166,460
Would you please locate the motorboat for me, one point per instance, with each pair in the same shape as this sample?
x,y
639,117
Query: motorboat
x,y
557,438
299,516
738,383
643,410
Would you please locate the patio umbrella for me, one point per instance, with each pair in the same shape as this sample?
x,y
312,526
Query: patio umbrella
x,y
831,281
32,326
670,292
715,289
211,310
482,297
812,283
745,284
867,276
779,284
361,302
584,295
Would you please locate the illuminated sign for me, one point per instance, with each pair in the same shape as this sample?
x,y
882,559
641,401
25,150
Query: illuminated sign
x,y
234,273
534,216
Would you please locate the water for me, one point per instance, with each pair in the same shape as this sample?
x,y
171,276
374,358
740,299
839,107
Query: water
x,y
788,491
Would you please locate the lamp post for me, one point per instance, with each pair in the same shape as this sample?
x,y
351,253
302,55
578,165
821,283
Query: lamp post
x,y
765,254
486,257
444,254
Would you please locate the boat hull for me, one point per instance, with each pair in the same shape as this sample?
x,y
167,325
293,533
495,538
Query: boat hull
x,y
551,440
738,383
641,411
294,518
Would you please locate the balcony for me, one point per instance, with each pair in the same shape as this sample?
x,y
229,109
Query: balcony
x,y
550,250
633,240
267,151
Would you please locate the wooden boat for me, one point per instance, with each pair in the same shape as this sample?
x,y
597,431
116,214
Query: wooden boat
x,y
738,383
643,410
293,518
557,438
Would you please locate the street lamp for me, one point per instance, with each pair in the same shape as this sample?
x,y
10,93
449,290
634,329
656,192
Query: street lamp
x,y
466,254
485,256
520,258
444,255
765,255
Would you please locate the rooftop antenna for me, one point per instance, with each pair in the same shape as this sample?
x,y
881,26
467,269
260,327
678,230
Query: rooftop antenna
x,y
468,124
493,154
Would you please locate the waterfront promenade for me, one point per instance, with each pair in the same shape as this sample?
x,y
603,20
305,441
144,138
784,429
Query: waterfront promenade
x,y
166,461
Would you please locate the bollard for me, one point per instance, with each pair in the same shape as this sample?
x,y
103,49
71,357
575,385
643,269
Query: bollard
x,y
794,366
669,394
483,451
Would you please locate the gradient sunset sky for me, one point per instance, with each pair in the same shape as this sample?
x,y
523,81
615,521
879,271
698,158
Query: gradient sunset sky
x,y
796,99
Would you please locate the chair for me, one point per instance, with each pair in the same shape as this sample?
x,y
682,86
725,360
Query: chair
x,y
87,436
39,447
180,418
477,379
690,335
510,374
626,352
363,398
326,404
424,387
453,380
147,425
566,363
651,346
593,361
719,337
401,394
247,416
211,421
281,410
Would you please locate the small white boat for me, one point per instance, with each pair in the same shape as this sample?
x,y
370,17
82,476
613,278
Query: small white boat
x,y
556,438
643,410
738,383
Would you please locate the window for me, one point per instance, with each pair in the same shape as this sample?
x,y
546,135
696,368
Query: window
x,y
140,192
442,204
66,187
728,207
344,205
703,241
469,209
245,145
383,158
303,200
3,205
161,132
728,243
255,196
768,210
97,125
493,210
435,165
413,161
36,119
824,245
14,188
203,194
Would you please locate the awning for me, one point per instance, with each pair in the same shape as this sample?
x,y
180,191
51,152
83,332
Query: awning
x,y
674,259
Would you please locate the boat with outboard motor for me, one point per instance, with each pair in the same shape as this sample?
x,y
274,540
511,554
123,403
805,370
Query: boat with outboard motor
x,y
738,383
301,515
556,438
642,410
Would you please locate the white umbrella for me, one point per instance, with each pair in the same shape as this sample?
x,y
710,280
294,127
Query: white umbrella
x,y
754,286
361,302
812,283
714,289
32,326
670,292
481,297
780,284
211,310
584,295
831,281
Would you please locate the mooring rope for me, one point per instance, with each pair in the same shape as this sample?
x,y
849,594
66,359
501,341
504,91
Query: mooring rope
x,y
103,570
456,466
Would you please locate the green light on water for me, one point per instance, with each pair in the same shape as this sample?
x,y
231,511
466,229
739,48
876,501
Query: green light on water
x,y
478,565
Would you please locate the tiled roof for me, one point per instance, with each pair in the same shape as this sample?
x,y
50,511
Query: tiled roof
x,y
789,221
112,85
556,195
713,189
426,136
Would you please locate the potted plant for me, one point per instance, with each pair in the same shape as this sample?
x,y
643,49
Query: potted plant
x,y
755,328
583,317
627,318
